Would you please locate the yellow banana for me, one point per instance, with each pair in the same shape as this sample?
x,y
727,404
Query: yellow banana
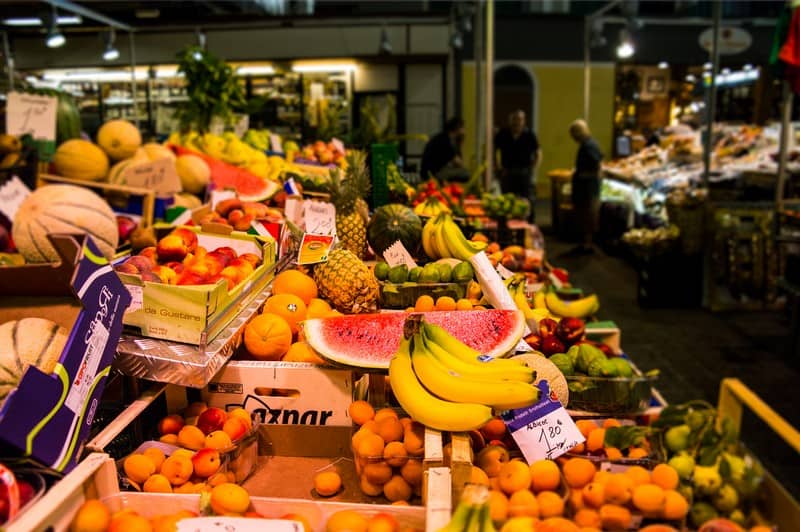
x,y
459,349
539,299
450,385
441,238
427,244
461,518
457,243
522,304
580,308
426,408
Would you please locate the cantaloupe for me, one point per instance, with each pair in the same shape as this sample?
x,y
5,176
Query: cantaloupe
x,y
119,139
156,151
25,342
62,209
80,159
194,173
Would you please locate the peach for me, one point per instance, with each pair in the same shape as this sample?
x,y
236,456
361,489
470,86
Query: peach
x,y
234,216
222,259
244,415
141,263
187,278
175,266
224,207
188,237
235,428
195,409
150,277
125,267
172,424
177,469
151,253
191,437
253,259
206,462
171,247
491,459
166,275
157,484
171,439
211,419
219,440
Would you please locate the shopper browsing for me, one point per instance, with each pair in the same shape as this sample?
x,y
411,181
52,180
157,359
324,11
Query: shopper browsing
x,y
519,155
586,182
442,155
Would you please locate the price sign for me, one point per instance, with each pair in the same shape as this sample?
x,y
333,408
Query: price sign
x,y
544,430
338,145
504,272
241,126
314,248
31,114
237,524
137,297
319,217
397,254
157,175
12,193
293,210
555,280
275,143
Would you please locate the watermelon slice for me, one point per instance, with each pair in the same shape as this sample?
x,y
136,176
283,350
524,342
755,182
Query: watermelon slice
x,y
370,340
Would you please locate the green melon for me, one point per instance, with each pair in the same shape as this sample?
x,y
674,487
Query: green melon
x,y
391,223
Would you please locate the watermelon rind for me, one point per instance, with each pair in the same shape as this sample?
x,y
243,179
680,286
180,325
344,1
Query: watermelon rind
x,y
270,189
469,326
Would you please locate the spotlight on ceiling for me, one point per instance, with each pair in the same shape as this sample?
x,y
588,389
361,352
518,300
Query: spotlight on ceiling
x,y
54,36
690,78
707,66
456,40
110,53
747,67
201,44
385,47
663,65
625,48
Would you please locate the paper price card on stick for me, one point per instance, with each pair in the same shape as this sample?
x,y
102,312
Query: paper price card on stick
x,y
12,193
31,114
157,175
237,524
544,430
314,248
397,254
319,217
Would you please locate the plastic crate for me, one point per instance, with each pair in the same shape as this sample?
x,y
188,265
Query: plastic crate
x,y
381,155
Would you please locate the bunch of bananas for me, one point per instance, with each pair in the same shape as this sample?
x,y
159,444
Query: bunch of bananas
x,y
472,512
442,238
430,207
258,139
446,385
579,308
516,287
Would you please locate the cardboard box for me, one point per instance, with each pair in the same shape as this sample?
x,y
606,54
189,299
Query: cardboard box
x,y
48,417
284,393
196,314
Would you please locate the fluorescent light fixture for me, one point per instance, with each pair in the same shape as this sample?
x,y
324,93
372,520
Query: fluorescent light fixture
x,y
31,79
625,48
733,78
255,70
663,65
310,68
725,71
36,21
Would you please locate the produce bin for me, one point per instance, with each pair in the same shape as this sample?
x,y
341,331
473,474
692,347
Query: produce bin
x,y
380,157
619,395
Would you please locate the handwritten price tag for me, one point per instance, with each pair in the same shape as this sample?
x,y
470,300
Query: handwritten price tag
x,y
320,217
31,114
338,145
12,193
159,175
544,430
275,143
504,272
397,254
237,524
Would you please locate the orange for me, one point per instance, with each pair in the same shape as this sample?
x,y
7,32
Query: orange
x,y
514,476
445,303
157,484
267,337
578,472
615,517
390,429
327,483
130,523
295,283
494,429
587,517
637,452
613,454
611,422
523,503
498,505
585,426
397,489
550,504
675,506
289,307
545,475
317,308
347,521
92,516
463,304
595,440
594,494
395,454
424,304
619,488
361,412
371,446
665,476
478,476
648,498
302,352
229,498
638,475
138,467
385,412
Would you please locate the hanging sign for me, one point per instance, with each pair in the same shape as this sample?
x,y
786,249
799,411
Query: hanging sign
x,y
731,40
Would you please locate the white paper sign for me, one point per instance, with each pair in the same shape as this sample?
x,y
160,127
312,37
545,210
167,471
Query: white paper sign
x,y
12,193
293,210
237,524
241,126
31,114
338,145
555,280
504,272
397,254
544,430
319,217
159,175
275,143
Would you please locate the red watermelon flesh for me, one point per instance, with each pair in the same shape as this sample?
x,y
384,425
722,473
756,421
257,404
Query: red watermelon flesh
x,y
370,340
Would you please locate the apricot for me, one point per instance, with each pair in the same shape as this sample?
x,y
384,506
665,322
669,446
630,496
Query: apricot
x,y
130,523
587,517
191,437
235,428
229,499
491,459
300,519
594,442
395,454
347,521
216,479
523,503
498,505
594,494
556,524
665,476
514,476
206,462
157,484
578,472
545,475
649,498
172,424
550,504
156,456
327,483
397,489
478,476
138,467
390,429
377,473
619,488
244,415
171,439
218,440
675,506
92,516
361,412
615,517
211,419
384,413
412,472
371,446
414,439
383,522
368,488
187,488
195,409
638,475
178,469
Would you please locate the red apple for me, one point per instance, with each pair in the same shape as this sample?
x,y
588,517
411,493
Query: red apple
x,y
211,419
552,345
547,327
534,341
570,330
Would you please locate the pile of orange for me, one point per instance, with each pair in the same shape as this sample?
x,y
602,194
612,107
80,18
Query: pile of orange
x,y
519,490
426,303
276,333
595,434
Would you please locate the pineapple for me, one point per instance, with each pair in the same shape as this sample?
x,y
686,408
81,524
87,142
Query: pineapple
x,y
347,283
347,195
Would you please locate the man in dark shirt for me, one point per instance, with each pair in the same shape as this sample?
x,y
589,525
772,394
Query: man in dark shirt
x,y
519,155
443,151
586,182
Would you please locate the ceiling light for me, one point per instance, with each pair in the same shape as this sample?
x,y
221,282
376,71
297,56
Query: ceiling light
x,y
663,65
625,48
36,21
456,41
255,70
747,67
725,71
707,66
54,38
690,78
385,47
310,68
110,53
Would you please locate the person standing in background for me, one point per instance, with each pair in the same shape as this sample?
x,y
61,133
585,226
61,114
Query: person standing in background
x,y
586,182
442,154
519,155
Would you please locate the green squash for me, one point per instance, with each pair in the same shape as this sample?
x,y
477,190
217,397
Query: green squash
x,y
391,223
